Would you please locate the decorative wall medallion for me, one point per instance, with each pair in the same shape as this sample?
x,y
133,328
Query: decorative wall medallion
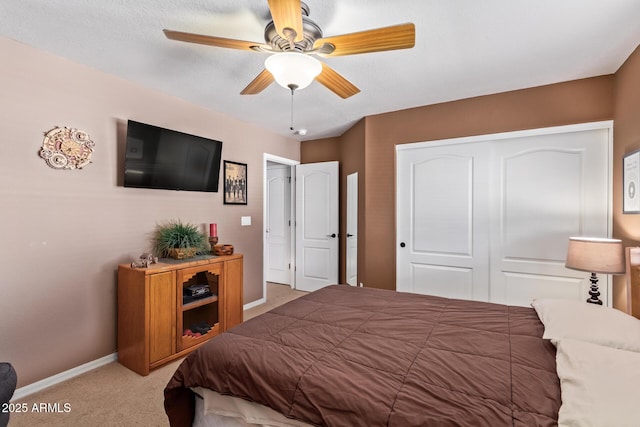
x,y
67,148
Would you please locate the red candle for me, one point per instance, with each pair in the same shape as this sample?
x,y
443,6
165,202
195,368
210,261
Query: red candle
x,y
213,230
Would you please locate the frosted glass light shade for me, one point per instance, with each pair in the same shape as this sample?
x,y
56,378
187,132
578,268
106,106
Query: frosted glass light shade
x,y
292,68
595,255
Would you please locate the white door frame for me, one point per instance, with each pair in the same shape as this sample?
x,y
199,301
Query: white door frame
x,y
289,162
278,223
351,250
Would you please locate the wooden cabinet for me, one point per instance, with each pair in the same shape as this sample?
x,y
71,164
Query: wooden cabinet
x,y
154,310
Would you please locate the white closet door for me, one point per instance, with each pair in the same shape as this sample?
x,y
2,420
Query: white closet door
x,y
442,213
489,217
546,189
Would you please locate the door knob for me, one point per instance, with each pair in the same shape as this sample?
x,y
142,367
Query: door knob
x,y
402,244
349,235
333,236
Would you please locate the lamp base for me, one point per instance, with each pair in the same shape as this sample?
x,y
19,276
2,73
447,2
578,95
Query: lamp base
x,y
593,291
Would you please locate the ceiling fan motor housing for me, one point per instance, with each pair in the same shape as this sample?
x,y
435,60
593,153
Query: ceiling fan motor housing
x,y
311,30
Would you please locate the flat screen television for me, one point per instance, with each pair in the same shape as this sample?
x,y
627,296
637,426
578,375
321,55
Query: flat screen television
x,y
167,159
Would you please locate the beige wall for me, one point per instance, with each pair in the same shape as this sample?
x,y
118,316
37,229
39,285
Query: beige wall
x,y
626,134
65,231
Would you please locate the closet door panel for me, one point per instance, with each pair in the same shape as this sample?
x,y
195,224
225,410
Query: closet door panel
x,y
442,245
446,281
539,206
524,287
547,189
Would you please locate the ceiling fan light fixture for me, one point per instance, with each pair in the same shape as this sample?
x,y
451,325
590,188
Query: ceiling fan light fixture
x,y
293,70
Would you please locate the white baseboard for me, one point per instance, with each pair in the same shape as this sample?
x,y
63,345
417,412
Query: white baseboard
x,y
63,376
27,390
254,303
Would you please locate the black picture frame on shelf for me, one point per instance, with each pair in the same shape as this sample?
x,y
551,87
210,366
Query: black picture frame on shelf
x,y
631,183
235,183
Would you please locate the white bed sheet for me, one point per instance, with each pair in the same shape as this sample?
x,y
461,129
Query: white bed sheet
x,y
216,410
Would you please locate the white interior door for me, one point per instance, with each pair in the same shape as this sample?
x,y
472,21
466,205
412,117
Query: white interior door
x,y
278,224
547,189
352,230
316,225
442,197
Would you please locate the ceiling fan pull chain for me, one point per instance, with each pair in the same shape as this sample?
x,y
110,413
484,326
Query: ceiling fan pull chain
x,y
293,88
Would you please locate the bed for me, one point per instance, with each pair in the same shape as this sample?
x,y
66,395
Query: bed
x,y
346,356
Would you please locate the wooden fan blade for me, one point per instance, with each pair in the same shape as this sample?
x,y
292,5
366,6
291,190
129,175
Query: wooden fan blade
x,y
258,84
214,41
336,83
401,36
287,17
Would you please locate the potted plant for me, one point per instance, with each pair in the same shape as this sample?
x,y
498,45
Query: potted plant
x,y
178,240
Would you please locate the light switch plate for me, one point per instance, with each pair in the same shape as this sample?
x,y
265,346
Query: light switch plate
x,y
245,220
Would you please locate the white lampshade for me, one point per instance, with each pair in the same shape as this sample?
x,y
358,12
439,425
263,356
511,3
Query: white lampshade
x,y
292,68
595,255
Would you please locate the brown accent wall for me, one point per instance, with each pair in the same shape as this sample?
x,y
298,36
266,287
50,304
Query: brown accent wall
x,y
626,134
572,102
64,231
320,150
348,150
553,105
351,149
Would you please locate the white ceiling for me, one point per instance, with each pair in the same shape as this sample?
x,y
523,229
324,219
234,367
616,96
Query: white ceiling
x,y
464,48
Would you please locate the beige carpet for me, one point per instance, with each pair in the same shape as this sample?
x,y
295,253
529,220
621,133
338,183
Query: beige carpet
x,y
113,395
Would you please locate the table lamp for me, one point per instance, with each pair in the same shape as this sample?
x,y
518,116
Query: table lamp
x,y
595,255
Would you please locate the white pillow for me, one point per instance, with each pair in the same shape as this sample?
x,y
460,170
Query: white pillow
x,y
588,322
599,385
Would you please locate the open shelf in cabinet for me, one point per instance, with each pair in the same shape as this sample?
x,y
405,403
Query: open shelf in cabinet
x,y
187,341
198,302
199,316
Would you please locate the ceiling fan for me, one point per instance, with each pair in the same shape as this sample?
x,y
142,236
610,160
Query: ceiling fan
x,y
291,32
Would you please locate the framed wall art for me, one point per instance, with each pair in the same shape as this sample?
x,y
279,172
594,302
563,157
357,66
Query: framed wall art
x,y
631,183
235,183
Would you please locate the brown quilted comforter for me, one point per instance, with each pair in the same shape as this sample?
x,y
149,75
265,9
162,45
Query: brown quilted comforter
x,y
345,356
